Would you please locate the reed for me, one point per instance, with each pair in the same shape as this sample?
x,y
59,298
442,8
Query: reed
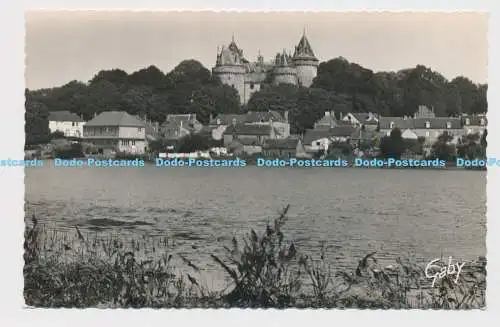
x,y
77,269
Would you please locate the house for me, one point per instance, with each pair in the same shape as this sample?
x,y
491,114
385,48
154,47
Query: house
x,y
66,122
219,124
367,121
272,118
178,126
279,148
428,128
244,146
152,128
387,124
257,133
116,131
431,128
320,139
474,124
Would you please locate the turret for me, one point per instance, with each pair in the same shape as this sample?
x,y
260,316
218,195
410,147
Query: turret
x,y
230,68
284,72
305,62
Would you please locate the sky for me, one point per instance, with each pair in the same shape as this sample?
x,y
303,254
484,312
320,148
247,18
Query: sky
x,y
62,46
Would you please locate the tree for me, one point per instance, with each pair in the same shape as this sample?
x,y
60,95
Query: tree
x,y
392,146
36,117
442,149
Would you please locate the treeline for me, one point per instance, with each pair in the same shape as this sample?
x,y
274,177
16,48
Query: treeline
x,y
190,88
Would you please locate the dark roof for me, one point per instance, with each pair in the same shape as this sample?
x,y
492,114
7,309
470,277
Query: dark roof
x,y
242,129
399,122
249,117
420,123
115,118
288,143
227,119
474,121
64,116
437,123
259,116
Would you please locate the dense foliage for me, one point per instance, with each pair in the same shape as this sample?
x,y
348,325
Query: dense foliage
x,y
191,88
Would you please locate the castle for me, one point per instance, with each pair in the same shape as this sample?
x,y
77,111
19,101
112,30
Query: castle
x,y
247,77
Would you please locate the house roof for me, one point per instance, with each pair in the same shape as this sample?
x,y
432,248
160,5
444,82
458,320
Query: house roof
x,y
64,116
227,119
475,121
259,116
364,118
327,119
242,129
312,135
420,123
437,123
115,118
288,143
399,122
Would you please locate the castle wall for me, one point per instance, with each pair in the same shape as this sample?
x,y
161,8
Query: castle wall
x,y
306,71
285,75
233,76
250,88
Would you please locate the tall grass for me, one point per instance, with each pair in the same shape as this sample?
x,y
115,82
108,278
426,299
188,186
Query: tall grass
x,y
266,271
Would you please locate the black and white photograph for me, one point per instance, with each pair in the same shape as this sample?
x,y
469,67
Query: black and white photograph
x,y
202,159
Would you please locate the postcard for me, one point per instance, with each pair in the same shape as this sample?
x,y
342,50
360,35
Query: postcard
x,y
323,160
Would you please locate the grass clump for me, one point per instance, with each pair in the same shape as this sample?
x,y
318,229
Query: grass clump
x,y
266,271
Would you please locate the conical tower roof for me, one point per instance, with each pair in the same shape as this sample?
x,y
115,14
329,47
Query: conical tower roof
x,y
304,49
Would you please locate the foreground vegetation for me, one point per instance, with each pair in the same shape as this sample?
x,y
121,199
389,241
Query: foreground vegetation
x,y
266,271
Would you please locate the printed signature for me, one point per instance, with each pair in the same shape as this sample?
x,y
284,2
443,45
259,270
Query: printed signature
x,y
453,268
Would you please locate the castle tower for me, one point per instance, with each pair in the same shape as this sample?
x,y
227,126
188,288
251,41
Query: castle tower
x,y
230,68
305,62
284,72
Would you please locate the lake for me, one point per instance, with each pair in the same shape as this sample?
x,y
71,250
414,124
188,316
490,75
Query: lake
x,y
418,213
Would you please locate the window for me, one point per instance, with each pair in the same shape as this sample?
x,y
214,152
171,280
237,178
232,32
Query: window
x,y
482,121
73,124
252,85
139,129
318,143
448,125
427,124
133,142
467,121
392,124
427,134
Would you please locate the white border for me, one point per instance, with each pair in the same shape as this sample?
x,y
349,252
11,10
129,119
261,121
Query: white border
x,y
12,185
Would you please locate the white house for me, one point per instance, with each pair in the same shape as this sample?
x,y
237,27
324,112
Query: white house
x,y
66,122
116,131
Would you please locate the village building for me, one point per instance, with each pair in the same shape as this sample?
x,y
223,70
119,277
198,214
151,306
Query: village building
x,y
176,127
474,124
368,121
68,123
284,148
321,139
254,133
116,131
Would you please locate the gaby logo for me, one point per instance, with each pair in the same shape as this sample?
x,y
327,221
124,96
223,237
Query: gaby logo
x,y
443,271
